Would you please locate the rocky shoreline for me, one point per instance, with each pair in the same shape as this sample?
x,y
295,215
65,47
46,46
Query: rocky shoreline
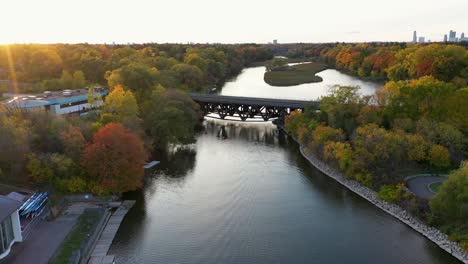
x,y
431,233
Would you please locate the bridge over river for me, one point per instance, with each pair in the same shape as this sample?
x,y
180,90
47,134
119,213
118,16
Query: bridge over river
x,y
248,107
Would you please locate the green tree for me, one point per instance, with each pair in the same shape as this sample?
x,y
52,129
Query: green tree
x,y
14,144
79,80
393,193
342,107
73,142
135,76
170,116
449,205
277,64
189,76
93,97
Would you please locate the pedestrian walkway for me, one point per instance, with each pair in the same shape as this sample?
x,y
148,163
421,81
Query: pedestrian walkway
x,y
46,238
99,254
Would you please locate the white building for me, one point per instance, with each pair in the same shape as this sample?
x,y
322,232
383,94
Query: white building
x,y
422,40
10,227
59,103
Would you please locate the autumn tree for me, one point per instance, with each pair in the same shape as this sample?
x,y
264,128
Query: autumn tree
x,y
51,168
417,147
120,106
377,150
322,134
115,158
439,156
340,152
424,97
73,142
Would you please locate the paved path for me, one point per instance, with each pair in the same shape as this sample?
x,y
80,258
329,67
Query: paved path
x,y
420,185
45,239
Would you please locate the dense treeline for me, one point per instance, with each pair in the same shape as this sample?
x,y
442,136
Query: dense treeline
x,y
147,108
193,67
407,127
392,61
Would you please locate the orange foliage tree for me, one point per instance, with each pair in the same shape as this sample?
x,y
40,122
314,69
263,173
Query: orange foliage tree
x,y
114,160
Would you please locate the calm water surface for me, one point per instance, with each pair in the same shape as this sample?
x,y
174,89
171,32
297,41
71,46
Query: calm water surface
x,y
244,194
250,83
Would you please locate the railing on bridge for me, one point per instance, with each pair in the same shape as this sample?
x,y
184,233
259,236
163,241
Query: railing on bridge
x,y
248,107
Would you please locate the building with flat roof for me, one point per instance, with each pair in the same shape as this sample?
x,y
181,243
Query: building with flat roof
x,y
10,227
59,102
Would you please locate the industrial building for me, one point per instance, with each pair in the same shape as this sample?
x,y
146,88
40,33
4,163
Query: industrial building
x,y
58,102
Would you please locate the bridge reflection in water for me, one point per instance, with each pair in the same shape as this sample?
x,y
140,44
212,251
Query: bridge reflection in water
x,y
249,107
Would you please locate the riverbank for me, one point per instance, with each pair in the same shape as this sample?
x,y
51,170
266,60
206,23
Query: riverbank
x,y
295,74
430,233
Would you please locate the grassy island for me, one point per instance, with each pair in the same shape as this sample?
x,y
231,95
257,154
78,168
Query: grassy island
x,y
294,75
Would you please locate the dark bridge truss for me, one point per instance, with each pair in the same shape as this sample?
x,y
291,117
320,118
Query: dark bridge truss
x,y
247,107
245,111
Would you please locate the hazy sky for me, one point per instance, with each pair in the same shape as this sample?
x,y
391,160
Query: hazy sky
x,y
233,21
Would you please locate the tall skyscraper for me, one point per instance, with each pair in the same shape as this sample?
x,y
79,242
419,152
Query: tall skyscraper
x,y
445,38
415,37
452,36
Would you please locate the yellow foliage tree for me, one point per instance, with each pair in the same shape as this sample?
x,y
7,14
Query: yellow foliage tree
x,y
439,156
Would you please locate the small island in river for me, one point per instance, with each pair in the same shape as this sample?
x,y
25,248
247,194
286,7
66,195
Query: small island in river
x,y
279,73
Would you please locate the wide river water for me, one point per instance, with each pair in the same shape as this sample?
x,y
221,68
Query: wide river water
x,y
244,194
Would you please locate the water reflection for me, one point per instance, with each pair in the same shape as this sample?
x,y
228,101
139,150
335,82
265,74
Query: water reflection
x,y
252,198
177,162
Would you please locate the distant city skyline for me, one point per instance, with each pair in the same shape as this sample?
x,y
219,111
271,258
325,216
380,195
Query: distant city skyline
x,y
451,37
242,21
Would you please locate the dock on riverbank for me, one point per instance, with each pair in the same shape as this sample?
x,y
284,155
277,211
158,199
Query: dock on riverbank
x,y
99,254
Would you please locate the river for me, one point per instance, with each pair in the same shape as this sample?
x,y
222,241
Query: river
x,y
244,194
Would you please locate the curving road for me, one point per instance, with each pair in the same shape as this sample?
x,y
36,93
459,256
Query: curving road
x,y
420,185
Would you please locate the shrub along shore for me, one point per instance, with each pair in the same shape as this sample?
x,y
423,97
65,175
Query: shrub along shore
x,y
431,233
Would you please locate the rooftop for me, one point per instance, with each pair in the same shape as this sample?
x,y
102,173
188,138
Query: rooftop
x,y
51,98
7,207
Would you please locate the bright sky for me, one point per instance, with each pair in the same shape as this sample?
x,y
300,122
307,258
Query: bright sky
x,y
234,21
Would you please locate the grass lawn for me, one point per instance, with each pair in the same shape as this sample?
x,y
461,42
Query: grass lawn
x,y
435,186
294,75
78,235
